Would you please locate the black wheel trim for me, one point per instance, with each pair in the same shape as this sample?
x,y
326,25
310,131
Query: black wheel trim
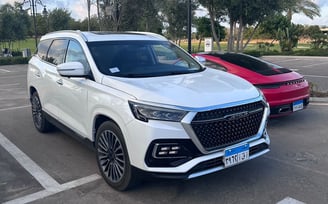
x,y
111,156
36,111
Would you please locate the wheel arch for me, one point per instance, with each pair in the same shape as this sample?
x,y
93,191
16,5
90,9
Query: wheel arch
x,y
98,120
32,89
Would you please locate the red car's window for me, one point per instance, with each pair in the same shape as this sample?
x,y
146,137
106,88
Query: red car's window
x,y
251,63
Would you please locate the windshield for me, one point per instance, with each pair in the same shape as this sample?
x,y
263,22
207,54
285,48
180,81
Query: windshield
x,y
141,58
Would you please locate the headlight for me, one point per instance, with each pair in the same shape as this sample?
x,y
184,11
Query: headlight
x,y
146,112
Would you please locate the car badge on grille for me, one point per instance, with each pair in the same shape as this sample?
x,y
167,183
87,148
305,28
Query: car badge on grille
x,y
236,116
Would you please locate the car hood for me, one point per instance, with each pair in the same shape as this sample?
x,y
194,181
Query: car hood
x,y
202,89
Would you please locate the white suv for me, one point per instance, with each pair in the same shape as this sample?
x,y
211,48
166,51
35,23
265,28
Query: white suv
x,y
145,104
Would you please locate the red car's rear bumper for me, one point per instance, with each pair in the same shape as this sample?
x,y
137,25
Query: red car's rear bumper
x,y
281,99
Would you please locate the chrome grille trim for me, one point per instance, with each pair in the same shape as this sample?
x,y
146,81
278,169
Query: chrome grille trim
x,y
186,123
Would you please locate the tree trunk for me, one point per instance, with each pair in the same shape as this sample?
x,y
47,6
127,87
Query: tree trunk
x,y
216,38
252,35
231,36
239,45
98,15
200,42
234,35
289,15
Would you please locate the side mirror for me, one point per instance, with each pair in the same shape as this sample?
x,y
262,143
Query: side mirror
x,y
200,59
71,69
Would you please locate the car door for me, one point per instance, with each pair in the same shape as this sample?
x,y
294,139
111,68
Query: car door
x,y
50,87
73,93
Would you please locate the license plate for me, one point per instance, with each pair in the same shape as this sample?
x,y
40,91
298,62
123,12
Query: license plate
x,y
236,155
297,105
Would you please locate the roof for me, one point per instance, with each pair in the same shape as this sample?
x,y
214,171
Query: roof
x,y
96,36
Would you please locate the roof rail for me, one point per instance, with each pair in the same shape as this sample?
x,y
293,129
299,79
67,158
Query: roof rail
x,y
70,31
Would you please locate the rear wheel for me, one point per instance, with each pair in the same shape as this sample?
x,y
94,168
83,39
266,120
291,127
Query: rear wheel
x,y
39,119
112,157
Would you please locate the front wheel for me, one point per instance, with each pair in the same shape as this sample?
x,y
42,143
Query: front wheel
x,y
112,157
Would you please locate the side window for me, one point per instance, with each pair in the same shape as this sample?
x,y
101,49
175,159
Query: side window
x,y
75,54
43,49
56,54
214,65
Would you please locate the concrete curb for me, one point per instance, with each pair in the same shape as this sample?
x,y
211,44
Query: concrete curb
x,y
319,99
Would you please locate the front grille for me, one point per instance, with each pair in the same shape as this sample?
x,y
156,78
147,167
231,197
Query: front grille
x,y
223,127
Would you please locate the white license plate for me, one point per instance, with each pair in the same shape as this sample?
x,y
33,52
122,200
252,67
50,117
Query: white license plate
x,y
298,105
236,155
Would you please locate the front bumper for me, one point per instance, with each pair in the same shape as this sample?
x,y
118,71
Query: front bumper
x,y
207,164
173,150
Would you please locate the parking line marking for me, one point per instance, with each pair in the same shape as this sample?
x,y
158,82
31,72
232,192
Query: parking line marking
x,y
319,104
290,200
316,76
286,60
4,70
5,85
312,65
36,171
14,108
50,185
49,192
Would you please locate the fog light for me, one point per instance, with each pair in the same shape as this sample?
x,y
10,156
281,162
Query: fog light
x,y
169,150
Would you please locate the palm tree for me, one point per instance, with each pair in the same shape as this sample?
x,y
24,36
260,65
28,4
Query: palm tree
x,y
307,7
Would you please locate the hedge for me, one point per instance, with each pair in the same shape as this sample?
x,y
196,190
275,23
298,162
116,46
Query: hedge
x,y
13,60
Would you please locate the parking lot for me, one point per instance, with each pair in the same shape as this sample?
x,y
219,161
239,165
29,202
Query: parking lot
x,y
57,168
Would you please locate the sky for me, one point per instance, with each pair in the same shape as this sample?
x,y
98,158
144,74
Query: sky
x,y
78,9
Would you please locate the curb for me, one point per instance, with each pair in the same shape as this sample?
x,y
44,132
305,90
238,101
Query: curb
x,y
319,99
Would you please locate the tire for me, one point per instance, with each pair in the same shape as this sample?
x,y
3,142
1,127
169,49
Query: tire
x,y
112,157
39,119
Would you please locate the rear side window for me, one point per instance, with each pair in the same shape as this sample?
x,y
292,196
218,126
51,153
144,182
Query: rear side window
x,y
43,49
254,64
57,51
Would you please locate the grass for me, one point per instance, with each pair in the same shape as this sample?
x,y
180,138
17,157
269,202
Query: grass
x,y
23,44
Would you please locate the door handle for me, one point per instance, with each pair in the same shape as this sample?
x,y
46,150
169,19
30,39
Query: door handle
x,y
38,74
59,81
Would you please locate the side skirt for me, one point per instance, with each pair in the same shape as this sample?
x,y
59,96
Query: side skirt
x,y
88,143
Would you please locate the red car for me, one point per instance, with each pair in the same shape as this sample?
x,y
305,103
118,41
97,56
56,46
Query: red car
x,y
285,90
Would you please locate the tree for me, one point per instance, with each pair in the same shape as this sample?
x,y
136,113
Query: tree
x,y
14,24
284,31
174,14
59,19
241,13
307,7
319,39
204,29
217,11
120,15
93,24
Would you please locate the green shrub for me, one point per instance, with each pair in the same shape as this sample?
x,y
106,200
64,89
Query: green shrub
x,y
17,53
13,60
